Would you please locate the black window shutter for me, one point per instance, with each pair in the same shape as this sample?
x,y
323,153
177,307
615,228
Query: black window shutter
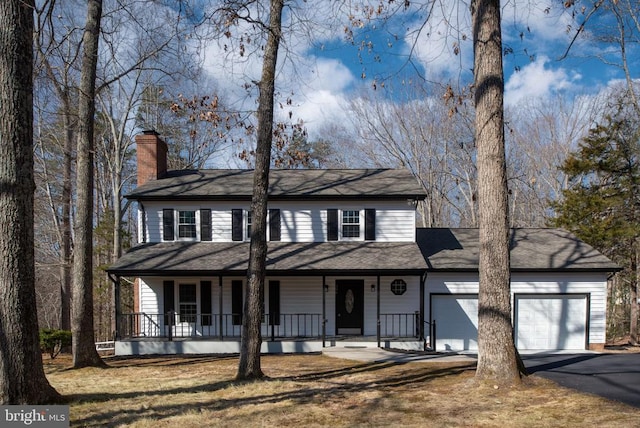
x,y
169,299
205,302
332,225
144,223
236,225
274,225
167,224
370,224
236,302
274,302
205,225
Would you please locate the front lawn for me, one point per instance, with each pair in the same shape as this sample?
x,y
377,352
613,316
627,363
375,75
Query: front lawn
x,y
316,390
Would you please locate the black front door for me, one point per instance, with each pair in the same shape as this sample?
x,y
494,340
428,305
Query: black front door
x,y
350,306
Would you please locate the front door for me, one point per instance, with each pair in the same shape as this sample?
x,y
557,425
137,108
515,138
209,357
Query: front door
x,y
350,306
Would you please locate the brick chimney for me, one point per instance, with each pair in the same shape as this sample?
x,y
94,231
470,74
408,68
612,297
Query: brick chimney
x,y
152,156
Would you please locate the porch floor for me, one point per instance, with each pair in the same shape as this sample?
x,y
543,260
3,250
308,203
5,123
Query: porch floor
x,y
231,345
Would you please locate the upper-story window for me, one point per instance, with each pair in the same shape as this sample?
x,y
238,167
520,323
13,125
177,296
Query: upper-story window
x,y
350,224
242,223
187,224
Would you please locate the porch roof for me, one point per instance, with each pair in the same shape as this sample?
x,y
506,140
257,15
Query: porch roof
x,y
532,250
283,258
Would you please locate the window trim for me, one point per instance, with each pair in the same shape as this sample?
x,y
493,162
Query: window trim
x,y
195,224
360,224
190,318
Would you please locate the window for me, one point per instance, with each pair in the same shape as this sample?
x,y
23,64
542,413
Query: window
x,y
188,307
350,224
398,287
187,224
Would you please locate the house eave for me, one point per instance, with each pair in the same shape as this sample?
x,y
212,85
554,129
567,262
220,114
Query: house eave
x,y
288,198
272,273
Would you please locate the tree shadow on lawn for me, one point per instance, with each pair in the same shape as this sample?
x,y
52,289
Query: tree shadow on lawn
x,y
166,360
337,390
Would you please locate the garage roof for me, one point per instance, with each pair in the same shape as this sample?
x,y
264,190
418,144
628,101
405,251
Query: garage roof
x,y
532,249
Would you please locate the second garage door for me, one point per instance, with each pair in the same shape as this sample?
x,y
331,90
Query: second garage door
x,y
551,322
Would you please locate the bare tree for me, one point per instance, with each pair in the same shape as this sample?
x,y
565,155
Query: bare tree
x,y
249,365
497,359
541,134
22,378
422,135
83,348
57,54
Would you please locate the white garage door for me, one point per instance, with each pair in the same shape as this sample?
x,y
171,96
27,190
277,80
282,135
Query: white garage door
x,y
554,322
456,318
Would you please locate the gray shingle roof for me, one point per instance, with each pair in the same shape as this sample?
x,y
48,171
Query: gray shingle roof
x,y
532,249
284,184
436,250
311,258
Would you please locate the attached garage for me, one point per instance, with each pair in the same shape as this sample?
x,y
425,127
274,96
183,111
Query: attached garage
x,y
558,289
551,322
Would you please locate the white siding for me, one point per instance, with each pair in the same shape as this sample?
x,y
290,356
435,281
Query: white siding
x,y
300,296
592,284
300,221
402,307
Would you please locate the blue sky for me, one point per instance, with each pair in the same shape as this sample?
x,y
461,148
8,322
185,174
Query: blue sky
x,y
321,73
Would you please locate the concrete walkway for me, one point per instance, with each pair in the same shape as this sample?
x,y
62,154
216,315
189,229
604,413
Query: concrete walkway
x,y
385,355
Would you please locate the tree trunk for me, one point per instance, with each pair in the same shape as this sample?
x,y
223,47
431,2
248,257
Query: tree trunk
x,y
249,364
65,270
22,378
83,348
633,296
497,359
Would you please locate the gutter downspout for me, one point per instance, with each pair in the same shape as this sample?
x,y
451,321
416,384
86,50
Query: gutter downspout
x,y
423,280
378,310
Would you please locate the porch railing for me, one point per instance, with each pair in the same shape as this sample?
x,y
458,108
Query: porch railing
x,y
400,325
175,325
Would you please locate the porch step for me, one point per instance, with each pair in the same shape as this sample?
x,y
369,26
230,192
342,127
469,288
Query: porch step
x,y
406,344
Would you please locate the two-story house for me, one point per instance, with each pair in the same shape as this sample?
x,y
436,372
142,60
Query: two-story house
x,y
345,262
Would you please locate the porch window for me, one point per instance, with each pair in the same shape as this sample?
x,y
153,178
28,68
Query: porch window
x,y
188,306
398,287
351,224
187,224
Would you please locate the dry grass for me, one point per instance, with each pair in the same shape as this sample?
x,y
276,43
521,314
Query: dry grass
x,y
315,390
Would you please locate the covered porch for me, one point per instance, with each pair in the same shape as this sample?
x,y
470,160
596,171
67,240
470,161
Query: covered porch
x,y
307,307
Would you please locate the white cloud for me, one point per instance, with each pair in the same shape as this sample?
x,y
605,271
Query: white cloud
x,y
442,44
537,80
319,92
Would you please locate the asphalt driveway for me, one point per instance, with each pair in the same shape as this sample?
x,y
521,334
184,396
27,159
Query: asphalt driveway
x,y
613,376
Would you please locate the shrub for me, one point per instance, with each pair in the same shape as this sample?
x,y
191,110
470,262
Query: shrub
x,y
52,341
